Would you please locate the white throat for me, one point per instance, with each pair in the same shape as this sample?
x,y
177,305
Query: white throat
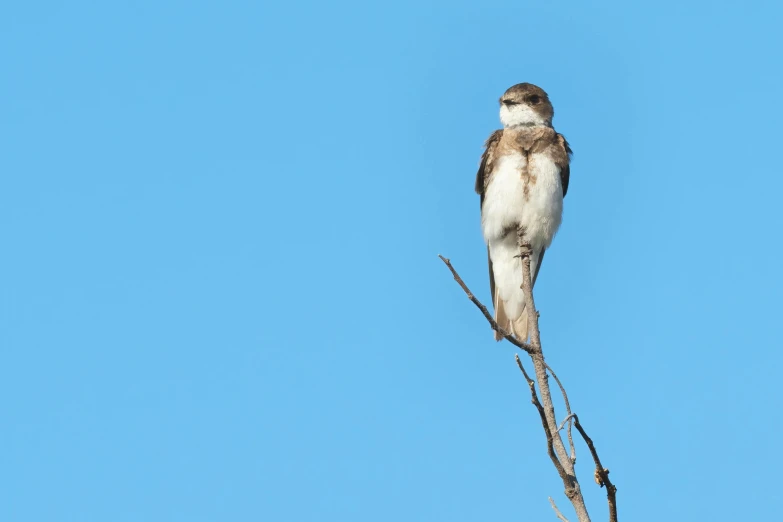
x,y
521,115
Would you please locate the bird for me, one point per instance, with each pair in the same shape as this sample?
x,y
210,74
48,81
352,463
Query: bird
x,y
522,179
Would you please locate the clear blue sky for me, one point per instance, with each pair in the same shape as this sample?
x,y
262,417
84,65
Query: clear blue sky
x,y
220,292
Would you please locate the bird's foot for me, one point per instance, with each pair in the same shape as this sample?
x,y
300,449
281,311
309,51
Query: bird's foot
x,y
524,251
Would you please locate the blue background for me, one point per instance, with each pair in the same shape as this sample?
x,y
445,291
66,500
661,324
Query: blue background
x,y
221,297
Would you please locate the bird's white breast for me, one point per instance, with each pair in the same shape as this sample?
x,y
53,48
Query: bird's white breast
x,y
524,194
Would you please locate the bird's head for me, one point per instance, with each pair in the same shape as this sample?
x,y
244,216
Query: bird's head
x,y
525,105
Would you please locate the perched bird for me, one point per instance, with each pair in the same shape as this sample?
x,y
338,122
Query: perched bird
x,y
522,181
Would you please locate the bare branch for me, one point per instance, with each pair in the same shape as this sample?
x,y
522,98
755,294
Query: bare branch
x,y
601,473
557,511
563,463
495,326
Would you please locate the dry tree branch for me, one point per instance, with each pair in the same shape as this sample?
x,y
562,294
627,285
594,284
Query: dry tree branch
x,y
555,448
563,463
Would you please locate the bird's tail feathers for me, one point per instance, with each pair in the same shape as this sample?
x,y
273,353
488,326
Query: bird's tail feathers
x,y
500,318
517,327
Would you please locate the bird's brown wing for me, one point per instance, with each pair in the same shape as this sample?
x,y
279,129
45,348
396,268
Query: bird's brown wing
x,y
487,161
562,157
484,171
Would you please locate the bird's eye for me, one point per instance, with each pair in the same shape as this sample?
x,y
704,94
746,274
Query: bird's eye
x,y
509,103
534,99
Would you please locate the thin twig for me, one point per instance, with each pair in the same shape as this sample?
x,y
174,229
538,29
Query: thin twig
x,y
557,511
562,424
495,326
568,412
527,378
601,473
